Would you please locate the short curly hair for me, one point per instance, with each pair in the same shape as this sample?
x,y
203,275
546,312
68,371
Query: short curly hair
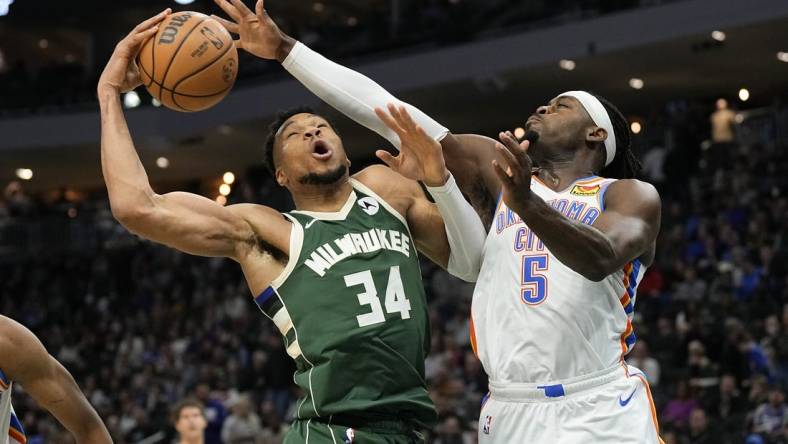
x,y
273,129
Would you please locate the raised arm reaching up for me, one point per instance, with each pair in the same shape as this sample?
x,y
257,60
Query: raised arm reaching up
x,y
468,157
185,221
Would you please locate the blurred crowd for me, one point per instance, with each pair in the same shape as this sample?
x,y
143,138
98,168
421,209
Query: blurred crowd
x,y
142,326
27,86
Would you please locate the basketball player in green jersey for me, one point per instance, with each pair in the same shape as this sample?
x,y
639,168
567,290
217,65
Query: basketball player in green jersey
x,y
339,276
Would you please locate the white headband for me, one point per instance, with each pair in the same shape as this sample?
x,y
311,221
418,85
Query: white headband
x,y
599,116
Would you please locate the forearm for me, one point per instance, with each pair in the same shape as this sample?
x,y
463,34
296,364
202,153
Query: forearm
x,y
468,158
94,432
127,182
350,92
465,231
581,247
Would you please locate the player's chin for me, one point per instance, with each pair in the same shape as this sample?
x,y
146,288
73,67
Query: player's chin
x,y
325,174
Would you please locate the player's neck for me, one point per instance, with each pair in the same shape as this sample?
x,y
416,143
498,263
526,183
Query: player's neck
x,y
196,440
560,175
323,198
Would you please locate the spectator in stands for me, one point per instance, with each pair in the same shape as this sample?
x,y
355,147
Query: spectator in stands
x,y
451,431
273,429
723,123
243,425
678,410
215,414
728,406
770,418
698,431
189,420
640,358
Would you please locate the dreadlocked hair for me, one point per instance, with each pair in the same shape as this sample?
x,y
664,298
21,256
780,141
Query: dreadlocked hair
x,y
625,164
273,129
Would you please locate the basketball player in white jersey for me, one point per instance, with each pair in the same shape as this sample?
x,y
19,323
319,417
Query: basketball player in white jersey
x,y
24,360
566,248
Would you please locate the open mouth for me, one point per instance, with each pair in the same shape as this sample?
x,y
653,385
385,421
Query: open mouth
x,y
321,150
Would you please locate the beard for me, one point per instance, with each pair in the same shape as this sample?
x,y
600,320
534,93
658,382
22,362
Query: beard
x,y
327,178
531,136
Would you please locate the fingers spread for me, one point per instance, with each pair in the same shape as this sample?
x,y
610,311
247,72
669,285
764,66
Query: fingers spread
x,y
229,9
241,7
407,120
387,158
228,25
388,120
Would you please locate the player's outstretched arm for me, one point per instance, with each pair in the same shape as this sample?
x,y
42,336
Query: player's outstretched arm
x,y
356,96
49,383
421,158
185,221
625,231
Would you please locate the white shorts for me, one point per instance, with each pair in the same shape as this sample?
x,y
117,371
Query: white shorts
x,y
613,406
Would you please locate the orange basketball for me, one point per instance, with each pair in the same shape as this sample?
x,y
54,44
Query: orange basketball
x,y
190,64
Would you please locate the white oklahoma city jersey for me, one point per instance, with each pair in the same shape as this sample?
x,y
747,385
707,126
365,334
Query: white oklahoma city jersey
x,y
10,429
534,319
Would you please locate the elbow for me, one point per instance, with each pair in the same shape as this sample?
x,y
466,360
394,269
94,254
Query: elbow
x,y
598,271
595,275
467,276
467,269
93,431
129,215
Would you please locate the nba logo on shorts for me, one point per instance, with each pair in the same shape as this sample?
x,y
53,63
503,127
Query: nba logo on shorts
x,y
350,435
487,425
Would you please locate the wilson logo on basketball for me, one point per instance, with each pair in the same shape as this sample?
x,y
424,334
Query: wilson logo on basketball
x,y
171,30
583,190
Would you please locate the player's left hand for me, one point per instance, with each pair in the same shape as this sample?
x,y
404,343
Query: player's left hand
x,y
515,172
420,156
257,32
121,73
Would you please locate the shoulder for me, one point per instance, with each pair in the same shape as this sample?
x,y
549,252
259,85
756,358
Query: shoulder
x,y
632,193
395,189
248,210
387,183
260,215
267,224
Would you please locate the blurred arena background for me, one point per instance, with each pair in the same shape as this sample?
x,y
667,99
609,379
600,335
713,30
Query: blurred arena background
x,y
141,326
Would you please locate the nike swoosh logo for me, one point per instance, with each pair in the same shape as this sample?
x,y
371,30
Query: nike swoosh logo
x,y
309,224
624,402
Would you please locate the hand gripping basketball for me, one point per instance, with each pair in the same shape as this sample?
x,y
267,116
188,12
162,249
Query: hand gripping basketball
x,y
121,73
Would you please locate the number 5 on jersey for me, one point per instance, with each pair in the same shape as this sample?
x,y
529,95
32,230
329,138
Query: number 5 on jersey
x,y
396,301
534,282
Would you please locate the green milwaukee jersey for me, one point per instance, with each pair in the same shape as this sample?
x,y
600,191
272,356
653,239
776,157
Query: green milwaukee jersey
x,y
351,307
